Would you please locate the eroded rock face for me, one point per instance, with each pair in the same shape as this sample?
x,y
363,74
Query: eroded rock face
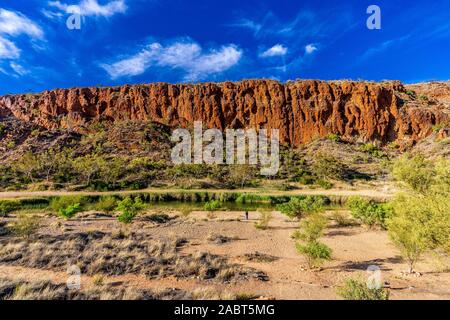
x,y
301,110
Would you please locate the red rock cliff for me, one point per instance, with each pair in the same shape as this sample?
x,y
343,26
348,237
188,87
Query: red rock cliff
x,y
301,110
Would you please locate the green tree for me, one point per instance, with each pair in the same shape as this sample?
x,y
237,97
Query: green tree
x,y
298,207
415,172
311,229
241,175
88,166
368,212
27,164
420,223
47,163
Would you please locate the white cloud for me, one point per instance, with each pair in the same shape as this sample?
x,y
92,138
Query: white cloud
x,y
248,24
15,23
276,50
90,7
21,71
310,48
187,56
8,49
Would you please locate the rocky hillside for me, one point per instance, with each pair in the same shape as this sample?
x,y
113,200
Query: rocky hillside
x,y
301,110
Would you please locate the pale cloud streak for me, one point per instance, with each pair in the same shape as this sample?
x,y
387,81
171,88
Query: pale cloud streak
x,y
18,69
8,49
89,8
14,24
186,56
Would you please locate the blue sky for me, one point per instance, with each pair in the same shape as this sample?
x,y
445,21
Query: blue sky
x,y
142,41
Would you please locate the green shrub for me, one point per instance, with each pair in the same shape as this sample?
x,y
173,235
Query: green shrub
x,y
297,207
265,217
106,204
415,172
212,205
368,212
8,206
327,167
69,211
311,229
314,252
334,137
327,185
358,290
129,209
423,97
58,203
411,93
372,149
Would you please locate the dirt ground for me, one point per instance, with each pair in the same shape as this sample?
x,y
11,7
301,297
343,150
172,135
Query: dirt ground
x,y
228,235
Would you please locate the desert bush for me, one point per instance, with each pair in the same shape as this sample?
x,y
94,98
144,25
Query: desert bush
x,y
325,184
327,167
98,280
69,211
8,206
372,149
315,253
358,290
106,204
311,229
415,172
368,212
212,205
341,219
26,225
420,223
129,209
298,207
264,219
334,137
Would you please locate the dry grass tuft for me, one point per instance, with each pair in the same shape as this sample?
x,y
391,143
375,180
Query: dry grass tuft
x,y
98,253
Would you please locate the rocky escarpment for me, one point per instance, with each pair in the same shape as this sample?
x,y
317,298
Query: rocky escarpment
x,y
301,110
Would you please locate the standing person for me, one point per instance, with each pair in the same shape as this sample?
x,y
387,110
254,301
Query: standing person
x,y
246,215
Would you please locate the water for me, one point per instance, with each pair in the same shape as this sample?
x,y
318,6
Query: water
x,y
197,206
